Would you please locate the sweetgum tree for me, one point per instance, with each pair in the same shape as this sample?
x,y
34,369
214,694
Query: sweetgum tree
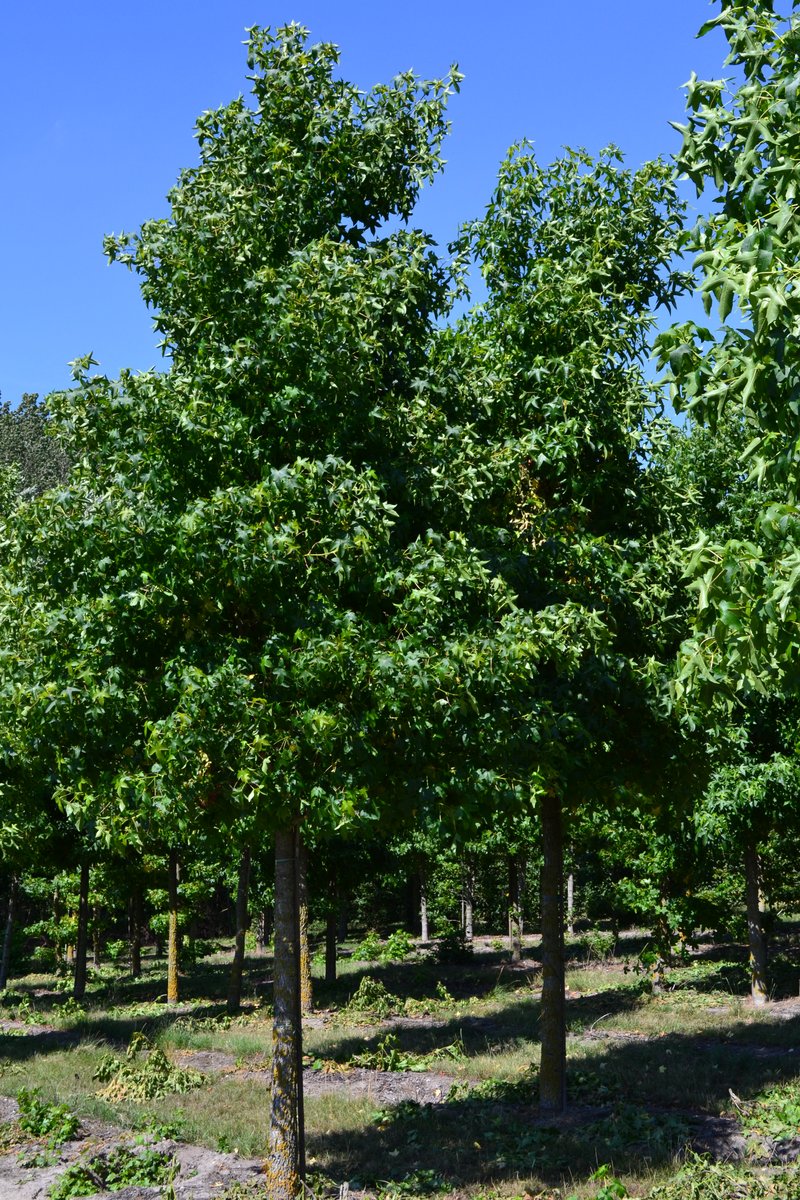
x,y
740,150
219,604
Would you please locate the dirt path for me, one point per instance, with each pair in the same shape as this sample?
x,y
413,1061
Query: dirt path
x,y
201,1174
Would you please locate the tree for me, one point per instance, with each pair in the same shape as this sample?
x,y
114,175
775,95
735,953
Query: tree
x,y
739,145
575,256
208,595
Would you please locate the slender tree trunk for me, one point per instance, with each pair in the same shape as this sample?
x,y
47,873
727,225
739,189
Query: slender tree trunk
x,y
330,947
285,1167
81,945
514,908
330,928
172,938
242,890
469,900
5,959
755,924
570,903
552,1022
306,986
96,935
57,946
135,930
423,907
264,931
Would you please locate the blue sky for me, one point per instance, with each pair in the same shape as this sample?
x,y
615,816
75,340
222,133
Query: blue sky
x,y
99,102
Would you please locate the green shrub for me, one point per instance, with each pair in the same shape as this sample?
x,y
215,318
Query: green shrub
x,y
40,1119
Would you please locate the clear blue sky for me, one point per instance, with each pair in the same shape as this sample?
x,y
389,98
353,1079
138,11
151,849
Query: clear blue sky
x,y
100,101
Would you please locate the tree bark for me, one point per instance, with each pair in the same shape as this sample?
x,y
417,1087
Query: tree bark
x,y
242,891
264,931
755,924
469,901
82,939
570,903
552,1023
11,912
285,1167
423,907
172,939
331,920
96,935
514,908
330,946
306,986
135,930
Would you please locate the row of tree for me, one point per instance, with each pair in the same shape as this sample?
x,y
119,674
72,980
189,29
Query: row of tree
x,y
351,564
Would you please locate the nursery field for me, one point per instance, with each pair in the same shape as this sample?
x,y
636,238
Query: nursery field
x,y
419,1080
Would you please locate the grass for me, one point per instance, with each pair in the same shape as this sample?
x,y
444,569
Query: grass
x,y
643,1069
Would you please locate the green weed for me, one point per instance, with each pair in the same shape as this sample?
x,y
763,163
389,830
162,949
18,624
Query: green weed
x,y
111,1172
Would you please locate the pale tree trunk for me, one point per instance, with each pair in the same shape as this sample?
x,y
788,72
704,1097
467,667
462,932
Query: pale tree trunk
x,y
285,1166
306,986
552,1023
570,903
11,912
82,939
242,890
755,924
135,930
96,935
331,920
172,937
514,908
423,907
469,899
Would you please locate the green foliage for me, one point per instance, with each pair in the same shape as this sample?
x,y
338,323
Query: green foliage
x,y
145,1073
775,1113
41,1119
597,944
388,1056
28,447
702,1179
371,998
112,1171
396,947
369,948
117,950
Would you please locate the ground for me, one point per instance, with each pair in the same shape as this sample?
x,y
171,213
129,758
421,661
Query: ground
x,y
426,1085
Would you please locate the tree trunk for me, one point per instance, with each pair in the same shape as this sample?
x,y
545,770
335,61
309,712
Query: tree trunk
x,y
285,1167
264,930
570,903
330,947
306,987
330,927
242,890
135,930
81,941
552,1022
96,935
755,924
469,900
172,938
5,959
423,907
514,908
